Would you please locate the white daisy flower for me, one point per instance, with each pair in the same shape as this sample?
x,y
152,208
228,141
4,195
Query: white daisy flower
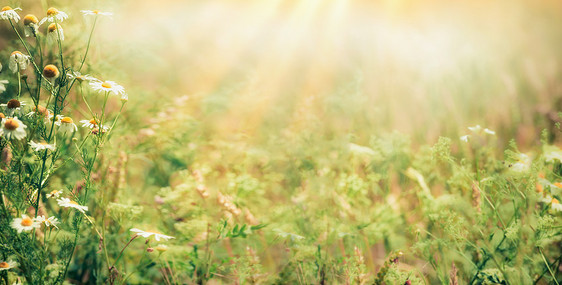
x,y
12,128
523,164
465,138
67,203
25,223
41,146
124,97
53,14
107,86
5,265
3,85
555,205
478,130
30,25
488,131
54,31
49,222
92,124
54,193
18,61
96,12
8,13
147,234
75,75
66,125
13,106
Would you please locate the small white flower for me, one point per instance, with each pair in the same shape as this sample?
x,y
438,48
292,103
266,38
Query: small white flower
x,y
54,193
13,106
92,124
95,13
5,265
67,203
3,84
54,32
12,128
475,129
24,223
75,75
147,234
30,25
107,86
465,138
523,164
8,13
54,15
555,205
66,125
18,61
41,146
488,131
49,222
124,97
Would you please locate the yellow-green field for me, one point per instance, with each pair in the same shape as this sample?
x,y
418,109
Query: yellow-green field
x,y
281,142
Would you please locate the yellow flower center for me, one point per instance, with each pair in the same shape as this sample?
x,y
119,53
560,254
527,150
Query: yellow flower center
x,y
11,124
12,104
52,27
41,110
54,192
96,11
555,201
52,11
43,143
558,184
26,222
539,188
2,116
16,53
50,71
73,203
93,122
4,264
106,85
67,120
6,8
30,19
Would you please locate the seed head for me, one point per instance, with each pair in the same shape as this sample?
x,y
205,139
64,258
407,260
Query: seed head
x,y
6,8
11,124
13,104
50,71
30,19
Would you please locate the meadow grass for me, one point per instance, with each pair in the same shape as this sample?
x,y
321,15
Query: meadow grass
x,y
287,143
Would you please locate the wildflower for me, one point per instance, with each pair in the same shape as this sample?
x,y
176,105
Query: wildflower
x,y
147,234
51,71
95,13
552,153
54,32
54,15
75,75
465,138
49,222
92,124
12,128
522,164
18,61
24,223
67,203
3,84
5,265
8,13
12,106
358,149
54,193
107,86
66,125
555,205
124,97
41,146
30,25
